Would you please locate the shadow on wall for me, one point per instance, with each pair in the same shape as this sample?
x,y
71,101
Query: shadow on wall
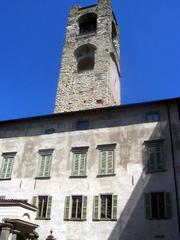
x,y
133,223
67,122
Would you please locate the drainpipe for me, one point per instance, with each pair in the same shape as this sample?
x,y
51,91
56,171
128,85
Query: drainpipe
x,y
174,165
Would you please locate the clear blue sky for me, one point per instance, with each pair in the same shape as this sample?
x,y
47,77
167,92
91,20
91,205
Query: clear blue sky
x,y
31,40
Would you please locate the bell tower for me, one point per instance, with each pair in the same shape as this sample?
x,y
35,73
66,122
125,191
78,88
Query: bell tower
x,y
90,70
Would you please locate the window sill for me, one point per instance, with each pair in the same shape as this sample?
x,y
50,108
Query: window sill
x,y
5,179
78,177
105,175
42,178
104,220
157,171
42,218
75,220
159,219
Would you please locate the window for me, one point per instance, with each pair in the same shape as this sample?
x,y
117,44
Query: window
x,y
82,125
88,23
158,205
79,161
114,32
106,161
105,207
44,167
153,117
43,203
178,106
49,131
75,208
7,165
85,56
155,156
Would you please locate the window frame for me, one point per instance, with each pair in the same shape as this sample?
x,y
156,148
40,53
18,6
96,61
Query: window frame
x,y
87,19
167,205
79,151
68,208
149,145
5,156
106,148
152,114
35,202
78,128
44,153
97,207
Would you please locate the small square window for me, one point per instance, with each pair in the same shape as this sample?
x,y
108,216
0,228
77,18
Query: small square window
x,y
75,208
82,125
158,205
49,131
155,157
153,117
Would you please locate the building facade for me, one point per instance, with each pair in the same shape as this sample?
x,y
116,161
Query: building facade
x,y
95,170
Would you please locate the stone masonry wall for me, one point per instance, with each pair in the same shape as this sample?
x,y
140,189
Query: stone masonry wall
x,y
93,88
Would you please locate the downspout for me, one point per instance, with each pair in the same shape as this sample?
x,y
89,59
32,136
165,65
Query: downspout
x,y
174,165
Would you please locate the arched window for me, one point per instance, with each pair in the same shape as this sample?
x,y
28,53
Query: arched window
x,y
85,56
114,32
87,23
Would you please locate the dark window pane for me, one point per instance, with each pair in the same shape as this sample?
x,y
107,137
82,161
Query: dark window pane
x,y
88,27
85,64
152,117
76,207
49,131
42,206
178,105
158,206
106,206
82,125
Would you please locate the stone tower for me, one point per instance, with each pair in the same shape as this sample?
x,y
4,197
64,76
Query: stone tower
x,y
90,71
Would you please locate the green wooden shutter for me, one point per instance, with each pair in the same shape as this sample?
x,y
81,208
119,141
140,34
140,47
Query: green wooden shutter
x,y
151,160
159,159
82,164
84,208
49,205
47,165
103,159
34,201
148,205
110,162
42,166
96,208
76,161
4,167
114,207
168,205
9,167
67,208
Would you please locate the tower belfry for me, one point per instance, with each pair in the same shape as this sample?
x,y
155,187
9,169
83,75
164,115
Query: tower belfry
x,y
90,70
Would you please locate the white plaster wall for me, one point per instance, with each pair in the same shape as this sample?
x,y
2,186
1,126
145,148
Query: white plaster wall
x,y
129,132
17,212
